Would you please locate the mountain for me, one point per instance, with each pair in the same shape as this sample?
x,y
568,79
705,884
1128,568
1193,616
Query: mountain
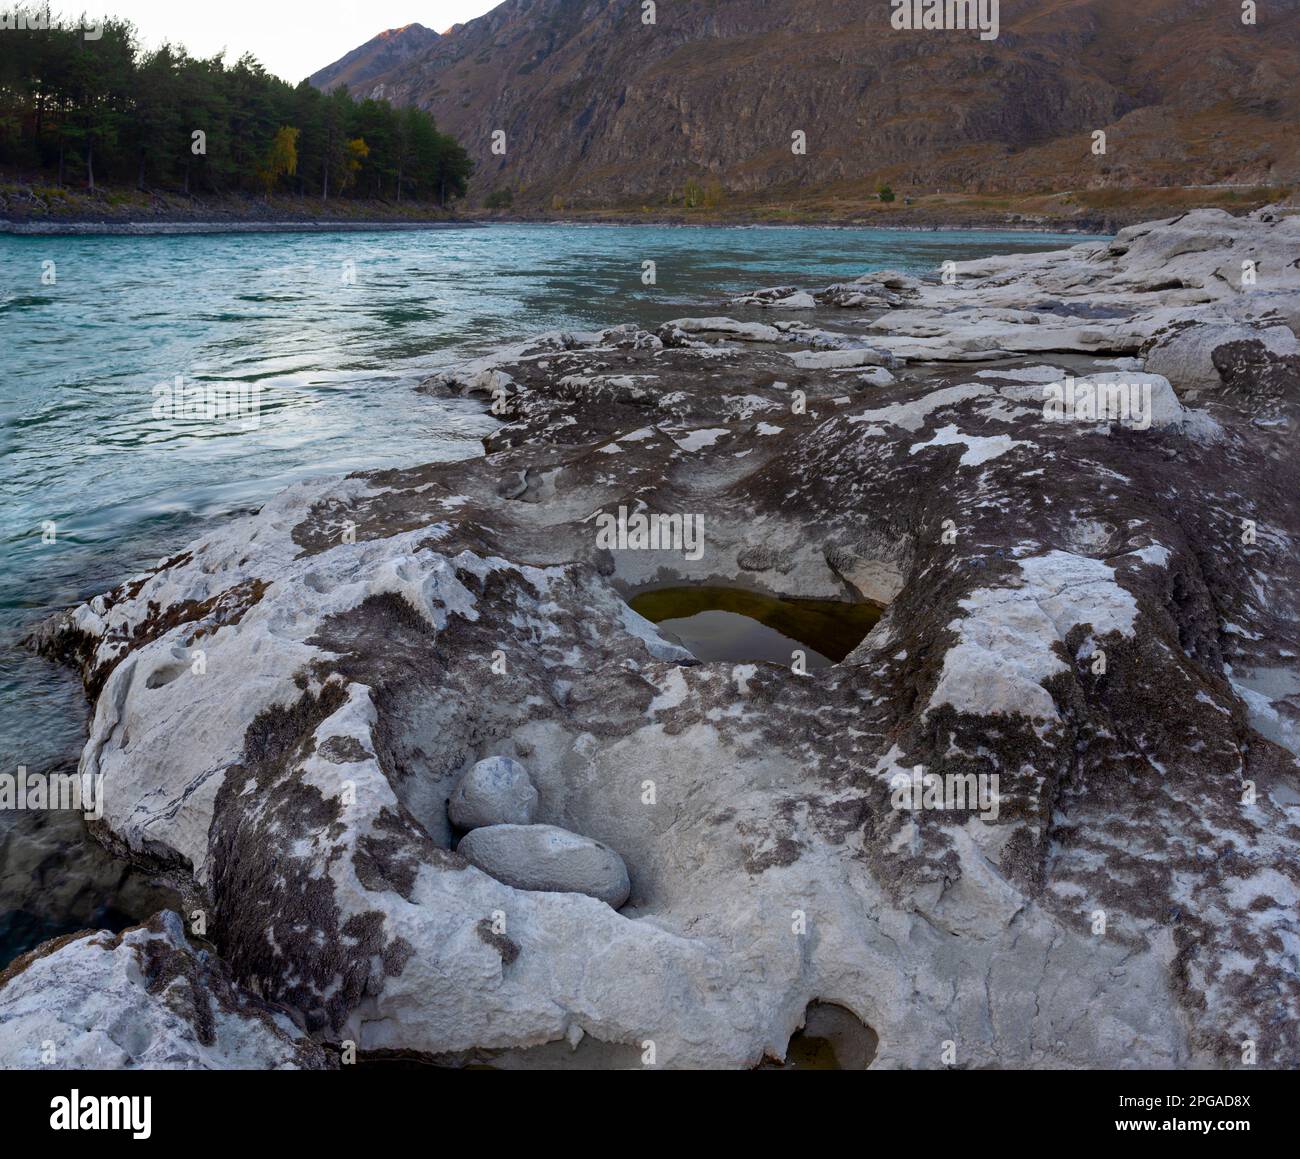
x,y
600,108
378,56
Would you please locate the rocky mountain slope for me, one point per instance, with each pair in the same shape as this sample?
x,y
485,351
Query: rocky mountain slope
x,y
1100,610
601,108
378,56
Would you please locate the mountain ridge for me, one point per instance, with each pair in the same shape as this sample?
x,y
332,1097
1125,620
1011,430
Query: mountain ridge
x,y
599,109
379,55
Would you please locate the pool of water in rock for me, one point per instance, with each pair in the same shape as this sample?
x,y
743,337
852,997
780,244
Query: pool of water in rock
x,y
719,623
832,1038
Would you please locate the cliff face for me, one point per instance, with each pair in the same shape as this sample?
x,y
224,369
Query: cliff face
x,y
599,107
380,55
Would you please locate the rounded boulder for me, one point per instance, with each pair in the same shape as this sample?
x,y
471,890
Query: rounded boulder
x,y
496,791
544,857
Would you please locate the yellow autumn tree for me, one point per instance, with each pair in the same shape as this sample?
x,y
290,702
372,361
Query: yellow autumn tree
x,y
355,152
282,159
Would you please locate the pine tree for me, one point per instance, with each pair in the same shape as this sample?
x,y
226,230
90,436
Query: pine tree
x,y
113,113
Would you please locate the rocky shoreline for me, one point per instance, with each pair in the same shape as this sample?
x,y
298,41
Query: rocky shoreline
x,y
1099,610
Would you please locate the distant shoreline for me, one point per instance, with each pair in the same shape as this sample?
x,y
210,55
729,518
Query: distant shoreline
x,y
990,226
61,228
28,207
27,210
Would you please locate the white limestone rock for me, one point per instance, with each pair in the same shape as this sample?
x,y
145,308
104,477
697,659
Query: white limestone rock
x,y
876,376
1184,354
778,297
838,359
726,328
142,999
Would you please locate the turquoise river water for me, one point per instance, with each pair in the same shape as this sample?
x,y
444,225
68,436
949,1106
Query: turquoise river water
x,y
336,330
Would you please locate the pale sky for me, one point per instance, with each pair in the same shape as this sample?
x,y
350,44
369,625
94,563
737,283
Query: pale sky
x,y
292,38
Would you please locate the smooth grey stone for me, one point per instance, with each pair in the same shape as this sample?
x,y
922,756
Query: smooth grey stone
x,y
544,857
496,791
